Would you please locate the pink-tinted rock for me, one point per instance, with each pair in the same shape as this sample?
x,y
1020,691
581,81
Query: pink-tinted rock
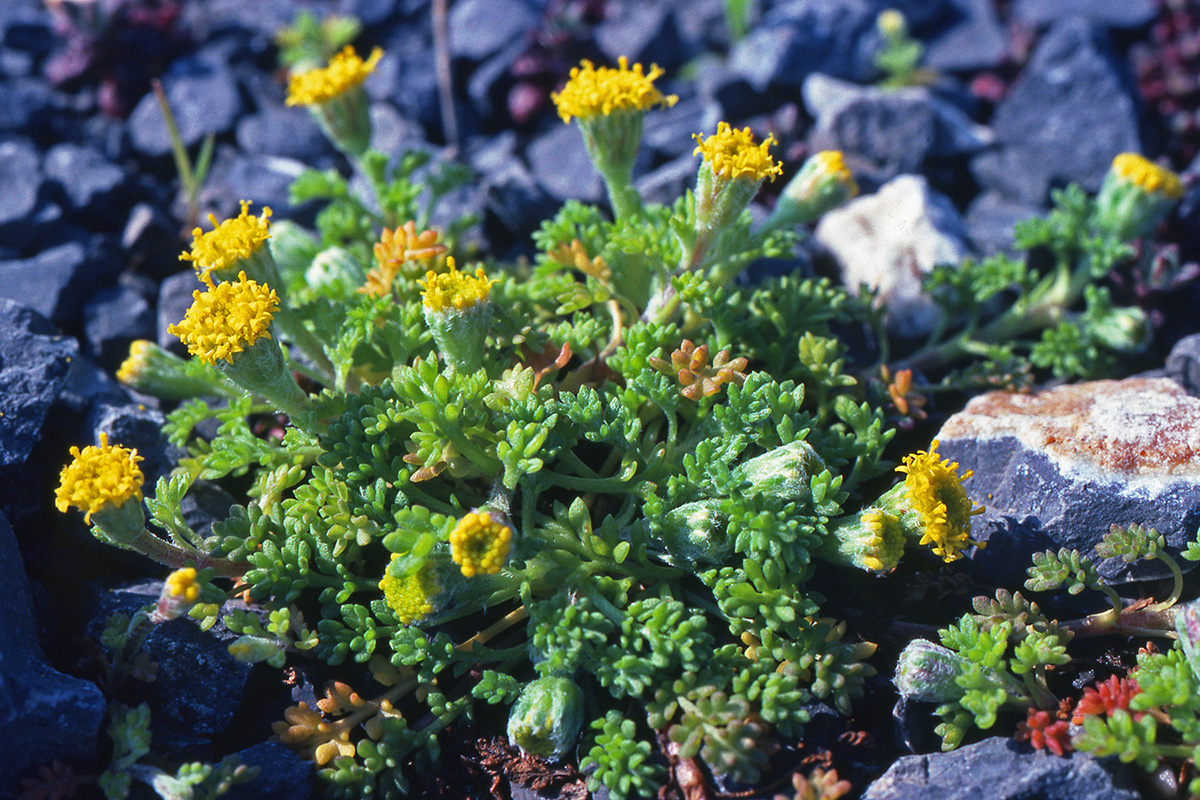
x,y
1060,467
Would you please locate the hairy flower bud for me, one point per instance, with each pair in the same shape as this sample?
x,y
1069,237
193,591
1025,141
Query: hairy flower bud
x,y
546,719
694,533
822,184
927,671
784,471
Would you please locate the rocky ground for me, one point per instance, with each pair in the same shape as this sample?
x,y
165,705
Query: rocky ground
x,y
1029,95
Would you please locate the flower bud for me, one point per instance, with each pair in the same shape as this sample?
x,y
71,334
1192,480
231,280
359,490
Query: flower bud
x,y
151,370
546,719
1125,329
694,533
926,671
253,649
821,185
872,540
1136,195
783,472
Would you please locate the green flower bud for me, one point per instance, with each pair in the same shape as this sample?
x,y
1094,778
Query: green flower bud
x,y
784,471
694,534
821,185
253,649
1124,329
151,370
927,671
547,717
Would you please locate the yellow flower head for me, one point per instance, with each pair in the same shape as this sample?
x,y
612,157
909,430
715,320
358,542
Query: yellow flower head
x,y
99,477
136,363
182,586
227,319
409,597
479,544
599,91
1147,175
936,492
229,241
733,154
891,24
346,71
454,289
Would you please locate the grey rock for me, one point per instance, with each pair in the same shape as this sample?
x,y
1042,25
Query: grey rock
x,y
482,28
887,133
990,219
46,715
287,132
203,99
150,241
112,320
888,240
1060,467
25,106
21,177
1068,114
642,31
1112,13
133,424
971,38
514,205
95,188
174,299
800,37
560,163
1000,769
265,180
56,282
1183,364
282,774
490,84
407,79
34,360
667,134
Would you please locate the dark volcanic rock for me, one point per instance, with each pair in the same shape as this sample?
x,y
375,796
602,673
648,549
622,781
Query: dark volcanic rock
x,y
204,100
46,715
20,175
1059,468
1001,769
282,131
642,31
56,282
25,106
971,38
1183,364
887,133
990,219
800,37
560,163
482,28
94,187
1069,113
174,299
264,180
1113,13
34,360
112,320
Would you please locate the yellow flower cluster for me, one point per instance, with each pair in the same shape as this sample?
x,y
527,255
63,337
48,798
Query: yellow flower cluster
x,y
99,477
181,585
733,154
229,241
346,71
599,91
479,544
454,289
410,597
227,319
1147,175
936,492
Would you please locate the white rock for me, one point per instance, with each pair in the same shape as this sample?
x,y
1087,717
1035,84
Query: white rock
x,y
888,240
